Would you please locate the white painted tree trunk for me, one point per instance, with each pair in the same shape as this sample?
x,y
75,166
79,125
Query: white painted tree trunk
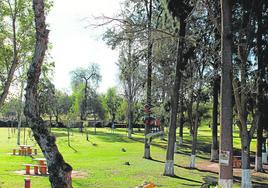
x,y
246,179
169,168
192,161
147,153
264,157
175,147
226,183
258,161
180,140
129,133
214,154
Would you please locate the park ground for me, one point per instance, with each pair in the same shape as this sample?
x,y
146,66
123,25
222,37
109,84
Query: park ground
x,y
100,162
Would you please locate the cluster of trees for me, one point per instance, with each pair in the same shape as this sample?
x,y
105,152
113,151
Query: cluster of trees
x,y
201,49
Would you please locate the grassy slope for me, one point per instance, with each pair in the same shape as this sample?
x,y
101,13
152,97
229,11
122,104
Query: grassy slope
x,y
103,161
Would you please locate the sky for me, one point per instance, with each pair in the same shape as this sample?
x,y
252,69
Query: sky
x,y
76,45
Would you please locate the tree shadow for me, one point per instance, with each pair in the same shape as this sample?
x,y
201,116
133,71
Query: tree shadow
x,y
186,179
257,182
73,148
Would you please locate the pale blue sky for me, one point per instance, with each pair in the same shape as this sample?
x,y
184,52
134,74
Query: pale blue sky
x,y
75,46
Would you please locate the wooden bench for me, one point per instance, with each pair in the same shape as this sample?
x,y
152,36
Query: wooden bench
x,y
236,161
209,181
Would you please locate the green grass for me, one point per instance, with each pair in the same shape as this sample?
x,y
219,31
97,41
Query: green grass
x,y
103,161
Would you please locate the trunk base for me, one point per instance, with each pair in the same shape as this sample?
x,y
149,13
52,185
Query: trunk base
x,y
246,179
175,147
147,153
258,164
180,141
226,183
169,168
192,162
129,133
214,155
264,157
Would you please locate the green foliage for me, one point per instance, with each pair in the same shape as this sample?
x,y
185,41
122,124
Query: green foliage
x,y
111,102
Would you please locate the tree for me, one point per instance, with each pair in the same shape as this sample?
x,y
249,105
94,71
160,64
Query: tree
x,y
111,102
17,19
180,9
86,78
59,170
226,135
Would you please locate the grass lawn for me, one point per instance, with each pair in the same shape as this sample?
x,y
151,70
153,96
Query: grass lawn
x,y
101,160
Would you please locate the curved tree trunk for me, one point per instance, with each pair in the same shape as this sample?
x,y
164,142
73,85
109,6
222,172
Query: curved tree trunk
x,y
59,170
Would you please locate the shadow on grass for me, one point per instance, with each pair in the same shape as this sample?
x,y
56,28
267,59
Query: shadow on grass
x,y
73,148
60,134
256,182
112,137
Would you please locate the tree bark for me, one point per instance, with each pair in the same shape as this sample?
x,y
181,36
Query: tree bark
x,y
180,65
181,122
226,136
260,94
215,144
147,152
59,170
245,158
20,112
130,92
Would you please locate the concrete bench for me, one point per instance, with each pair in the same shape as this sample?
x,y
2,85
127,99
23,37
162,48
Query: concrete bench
x,y
24,151
37,168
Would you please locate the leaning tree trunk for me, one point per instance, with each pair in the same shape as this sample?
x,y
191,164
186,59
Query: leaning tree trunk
x,y
169,165
59,170
215,145
226,136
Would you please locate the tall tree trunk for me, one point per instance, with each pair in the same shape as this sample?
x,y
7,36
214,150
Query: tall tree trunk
x,y
130,96
95,122
226,136
147,152
169,165
196,123
59,170
260,94
20,112
215,145
181,122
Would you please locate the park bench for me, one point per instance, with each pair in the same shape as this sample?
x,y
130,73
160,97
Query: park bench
x,y
209,181
24,151
236,161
